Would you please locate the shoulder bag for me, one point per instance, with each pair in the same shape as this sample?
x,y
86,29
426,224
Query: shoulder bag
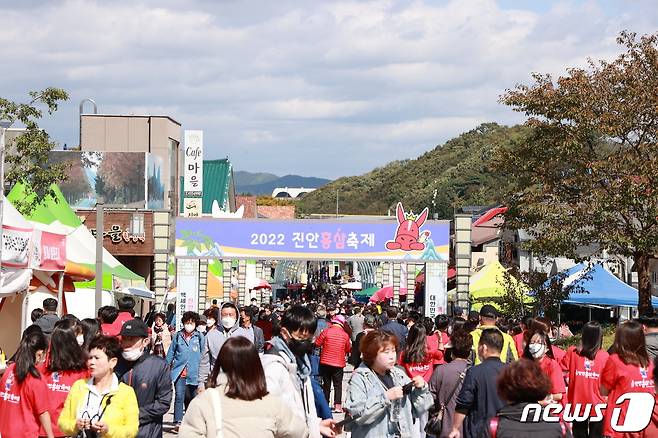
x,y
217,410
434,424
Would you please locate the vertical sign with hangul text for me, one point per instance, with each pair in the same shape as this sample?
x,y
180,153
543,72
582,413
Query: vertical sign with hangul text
x,y
193,174
187,288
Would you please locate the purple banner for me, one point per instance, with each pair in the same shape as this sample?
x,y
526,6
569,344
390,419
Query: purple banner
x,y
406,240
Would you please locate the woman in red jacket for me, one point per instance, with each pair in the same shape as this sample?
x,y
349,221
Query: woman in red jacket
x,y
418,360
584,366
66,364
626,370
539,350
23,394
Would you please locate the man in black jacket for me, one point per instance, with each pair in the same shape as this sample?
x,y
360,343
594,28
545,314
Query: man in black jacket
x,y
393,326
149,377
478,399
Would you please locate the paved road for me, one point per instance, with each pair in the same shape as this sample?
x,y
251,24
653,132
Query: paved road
x,y
169,418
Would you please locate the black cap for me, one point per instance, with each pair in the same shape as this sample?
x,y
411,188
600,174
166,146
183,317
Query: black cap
x,y
489,311
134,327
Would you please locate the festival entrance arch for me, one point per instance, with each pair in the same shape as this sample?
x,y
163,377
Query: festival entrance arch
x,y
400,243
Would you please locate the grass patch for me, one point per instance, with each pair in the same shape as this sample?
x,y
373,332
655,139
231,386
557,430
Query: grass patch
x,y
608,339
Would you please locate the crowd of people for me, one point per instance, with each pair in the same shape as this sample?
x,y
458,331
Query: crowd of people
x,y
278,371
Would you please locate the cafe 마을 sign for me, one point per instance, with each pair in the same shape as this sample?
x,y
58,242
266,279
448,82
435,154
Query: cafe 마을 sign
x,y
193,173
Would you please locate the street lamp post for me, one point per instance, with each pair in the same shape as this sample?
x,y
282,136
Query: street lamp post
x,y
98,296
3,130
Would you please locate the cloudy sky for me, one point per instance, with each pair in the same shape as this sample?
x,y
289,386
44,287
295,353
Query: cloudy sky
x,y
324,88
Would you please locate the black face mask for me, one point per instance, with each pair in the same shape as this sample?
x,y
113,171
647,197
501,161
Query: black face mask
x,y
300,348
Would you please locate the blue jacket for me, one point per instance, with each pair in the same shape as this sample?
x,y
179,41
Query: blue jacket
x,y
183,354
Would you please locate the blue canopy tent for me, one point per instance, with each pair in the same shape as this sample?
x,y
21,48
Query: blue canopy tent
x,y
598,286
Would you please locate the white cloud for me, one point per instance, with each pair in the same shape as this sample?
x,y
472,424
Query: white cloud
x,y
313,87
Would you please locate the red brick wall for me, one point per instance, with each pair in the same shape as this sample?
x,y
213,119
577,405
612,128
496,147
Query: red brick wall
x,y
249,203
276,211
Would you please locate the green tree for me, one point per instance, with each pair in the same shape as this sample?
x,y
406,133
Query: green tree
x,y
587,173
27,157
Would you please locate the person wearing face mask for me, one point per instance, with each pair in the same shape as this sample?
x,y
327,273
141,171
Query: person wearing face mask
x,y
184,357
201,325
148,375
228,326
539,350
23,393
160,336
66,363
478,400
212,315
288,369
381,399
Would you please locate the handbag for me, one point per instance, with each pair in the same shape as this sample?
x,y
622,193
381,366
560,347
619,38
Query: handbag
x,y
434,424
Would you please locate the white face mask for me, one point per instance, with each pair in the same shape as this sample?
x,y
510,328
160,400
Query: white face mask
x,y
210,322
228,322
80,339
201,329
537,350
189,328
132,355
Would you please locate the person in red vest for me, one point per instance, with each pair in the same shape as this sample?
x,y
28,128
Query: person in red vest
x,y
584,365
66,363
627,370
126,311
335,344
108,315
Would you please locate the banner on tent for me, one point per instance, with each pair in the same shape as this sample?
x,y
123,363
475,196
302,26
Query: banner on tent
x,y
16,246
312,239
49,251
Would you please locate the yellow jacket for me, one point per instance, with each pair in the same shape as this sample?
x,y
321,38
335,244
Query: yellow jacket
x,y
121,416
507,355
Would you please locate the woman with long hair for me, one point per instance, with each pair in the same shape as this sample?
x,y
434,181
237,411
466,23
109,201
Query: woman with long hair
x,y
584,365
66,364
90,329
628,369
237,403
416,358
381,398
23,393
101,405
539,350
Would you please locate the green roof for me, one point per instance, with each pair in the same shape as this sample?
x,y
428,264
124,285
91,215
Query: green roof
x,y
217,176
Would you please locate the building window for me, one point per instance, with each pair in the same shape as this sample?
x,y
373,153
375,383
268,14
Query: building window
x,y
137,223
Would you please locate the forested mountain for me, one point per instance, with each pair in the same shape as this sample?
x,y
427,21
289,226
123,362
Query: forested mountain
x,y
265,183
459,171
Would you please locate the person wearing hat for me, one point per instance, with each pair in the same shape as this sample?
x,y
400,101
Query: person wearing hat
x,y
148,375
488,315
335,344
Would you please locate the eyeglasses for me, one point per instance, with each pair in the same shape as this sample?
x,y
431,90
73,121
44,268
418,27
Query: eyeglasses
x,y
97,417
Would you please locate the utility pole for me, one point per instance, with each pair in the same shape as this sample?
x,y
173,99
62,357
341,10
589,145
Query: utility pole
x,y
3,130
336,203
98,297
